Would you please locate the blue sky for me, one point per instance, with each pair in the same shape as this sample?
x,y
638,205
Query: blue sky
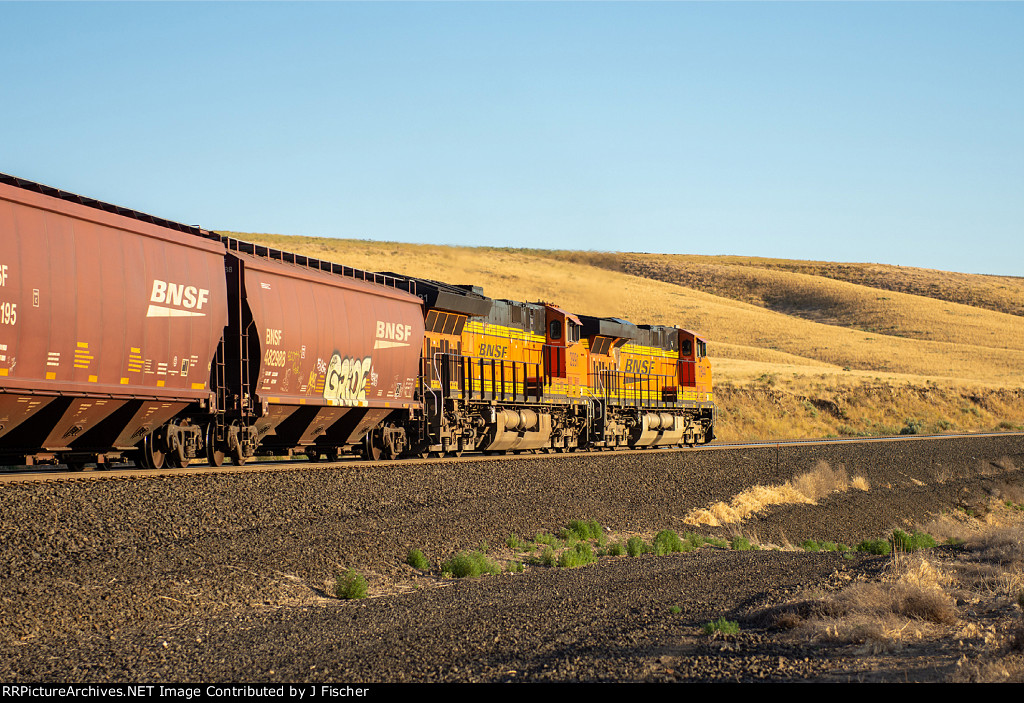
x,y
882,132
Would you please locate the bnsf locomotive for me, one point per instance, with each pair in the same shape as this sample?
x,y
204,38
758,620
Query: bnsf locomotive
x,y
125,337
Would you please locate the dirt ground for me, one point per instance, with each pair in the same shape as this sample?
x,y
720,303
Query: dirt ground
x,y
230,578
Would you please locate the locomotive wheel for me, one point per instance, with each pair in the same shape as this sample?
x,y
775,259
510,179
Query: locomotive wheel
x,y
460,447
213,455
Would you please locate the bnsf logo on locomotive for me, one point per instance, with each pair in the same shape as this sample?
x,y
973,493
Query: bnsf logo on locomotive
x,y
176,300
639,366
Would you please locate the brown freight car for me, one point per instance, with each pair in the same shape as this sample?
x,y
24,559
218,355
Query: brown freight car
x,y
331,357
110,322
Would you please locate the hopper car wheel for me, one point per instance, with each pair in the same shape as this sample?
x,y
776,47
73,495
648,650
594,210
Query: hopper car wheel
x,y
312,454
152,457
331,454
176,458
214,455
371,450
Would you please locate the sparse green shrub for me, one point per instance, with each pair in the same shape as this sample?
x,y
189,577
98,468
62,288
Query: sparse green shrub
x,y
616,549
675,610
513,542
912,426
666,542
550,540
903,542
636,546
740,544
547,557
417,561
875,546
717,542
350,585
579,554
515,567
809,545
470,565
726,627
695,540
583,530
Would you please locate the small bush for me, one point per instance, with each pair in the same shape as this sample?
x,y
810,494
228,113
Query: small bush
x,y
579,554
417,561
350,585
666,542
740,544
875,546
726,627
717,542
515,567
636,546
809,545
695,540
584,530
616,549
675,610
513,542
547,557
470,565
550,540
903,542
912,426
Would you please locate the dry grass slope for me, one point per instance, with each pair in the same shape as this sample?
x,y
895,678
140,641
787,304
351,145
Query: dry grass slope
x,y
997,293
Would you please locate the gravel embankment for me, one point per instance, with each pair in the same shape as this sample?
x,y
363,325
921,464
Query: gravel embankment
x,y
230,570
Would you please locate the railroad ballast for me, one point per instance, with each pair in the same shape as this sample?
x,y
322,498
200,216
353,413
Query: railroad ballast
x,y
125,337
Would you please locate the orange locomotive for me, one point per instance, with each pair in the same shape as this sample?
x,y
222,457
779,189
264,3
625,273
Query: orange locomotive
x,y
502,375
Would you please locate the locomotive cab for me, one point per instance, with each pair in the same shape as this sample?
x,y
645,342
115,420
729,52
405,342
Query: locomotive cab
x,y
694,366
564,354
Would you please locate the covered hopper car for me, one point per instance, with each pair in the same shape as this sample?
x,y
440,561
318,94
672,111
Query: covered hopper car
x,y
126,337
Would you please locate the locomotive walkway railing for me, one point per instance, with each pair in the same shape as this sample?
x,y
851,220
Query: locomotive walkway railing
x,y
481,378
648,390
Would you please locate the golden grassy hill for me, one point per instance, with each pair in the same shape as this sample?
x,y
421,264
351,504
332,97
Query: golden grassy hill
x,y
996,293
771,329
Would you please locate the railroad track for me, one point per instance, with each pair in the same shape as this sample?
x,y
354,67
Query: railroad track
x,y
37,474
